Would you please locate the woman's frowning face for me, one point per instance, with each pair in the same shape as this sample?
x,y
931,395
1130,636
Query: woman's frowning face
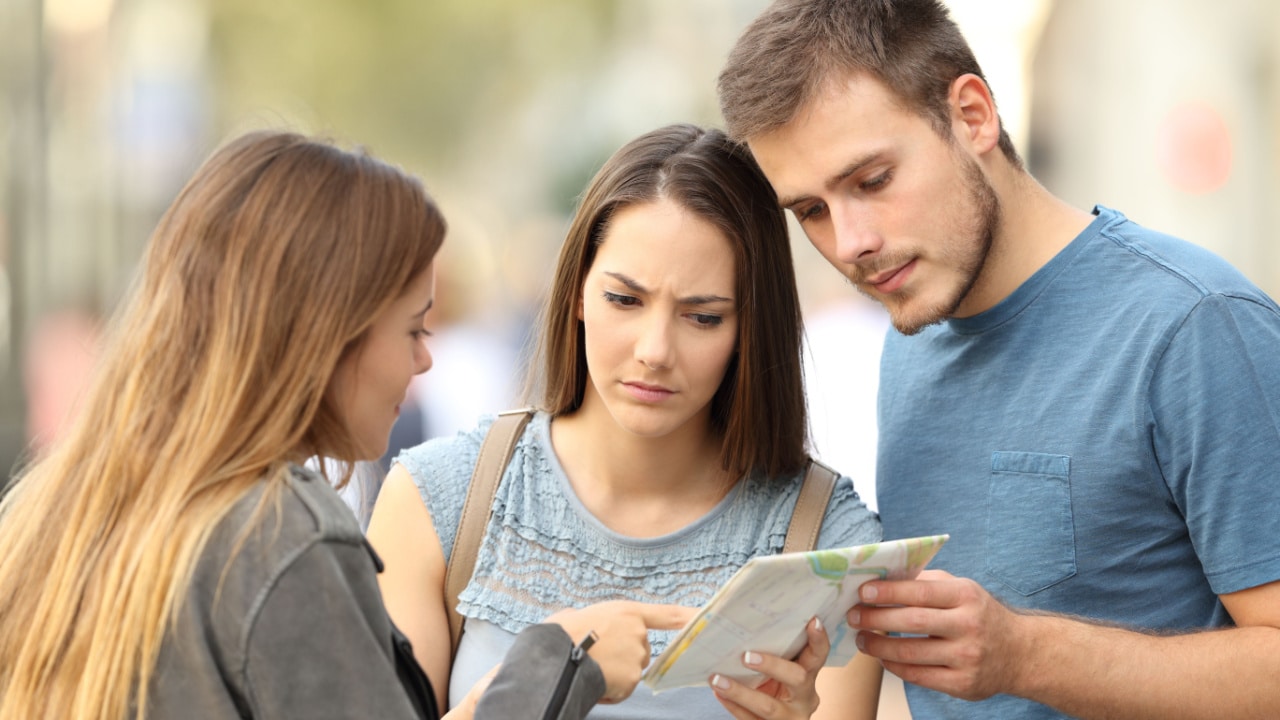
x,y
659,311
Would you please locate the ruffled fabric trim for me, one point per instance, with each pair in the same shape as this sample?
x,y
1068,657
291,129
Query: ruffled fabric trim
x,y
543,551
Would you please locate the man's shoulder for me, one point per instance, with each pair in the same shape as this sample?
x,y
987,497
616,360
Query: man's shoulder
x,y
1160,265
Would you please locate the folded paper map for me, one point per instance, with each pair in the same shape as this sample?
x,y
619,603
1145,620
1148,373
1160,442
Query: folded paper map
x,y
765,606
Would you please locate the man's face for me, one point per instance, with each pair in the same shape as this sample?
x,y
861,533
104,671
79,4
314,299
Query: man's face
x,y
900,211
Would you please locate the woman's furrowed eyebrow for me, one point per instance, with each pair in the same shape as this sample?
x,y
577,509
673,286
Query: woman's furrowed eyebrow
x,y
705,300
637,288
631,284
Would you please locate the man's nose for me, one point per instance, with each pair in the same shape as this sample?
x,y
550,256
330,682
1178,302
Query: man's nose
x,y
857,235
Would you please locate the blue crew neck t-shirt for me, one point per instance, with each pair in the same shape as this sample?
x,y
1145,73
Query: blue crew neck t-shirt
x,y
1104,442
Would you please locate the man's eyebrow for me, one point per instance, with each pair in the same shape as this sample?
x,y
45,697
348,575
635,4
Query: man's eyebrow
x,y
690,300
857,164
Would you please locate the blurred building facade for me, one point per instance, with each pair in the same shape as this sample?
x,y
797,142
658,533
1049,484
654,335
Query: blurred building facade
x,y
1168,111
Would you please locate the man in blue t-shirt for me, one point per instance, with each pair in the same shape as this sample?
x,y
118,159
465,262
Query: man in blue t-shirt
x,y
1091,409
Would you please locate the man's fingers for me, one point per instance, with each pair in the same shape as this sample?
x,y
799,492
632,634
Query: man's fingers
x,y
934,589
908,620
911,651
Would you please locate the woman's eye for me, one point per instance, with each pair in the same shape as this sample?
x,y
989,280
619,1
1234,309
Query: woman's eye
x,y
623,300
706,320
420,334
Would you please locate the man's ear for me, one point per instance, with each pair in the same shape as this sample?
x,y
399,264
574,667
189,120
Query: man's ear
x,y
974,119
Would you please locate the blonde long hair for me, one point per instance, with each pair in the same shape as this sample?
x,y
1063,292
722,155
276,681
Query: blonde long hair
x,y
269,266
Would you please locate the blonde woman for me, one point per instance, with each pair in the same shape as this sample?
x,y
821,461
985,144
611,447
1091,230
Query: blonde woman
x,y
171,557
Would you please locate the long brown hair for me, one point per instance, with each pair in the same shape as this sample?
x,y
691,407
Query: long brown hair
x,y
270,265
759,408
786,54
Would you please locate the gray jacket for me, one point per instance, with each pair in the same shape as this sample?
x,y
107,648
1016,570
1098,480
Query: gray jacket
x,y
294,627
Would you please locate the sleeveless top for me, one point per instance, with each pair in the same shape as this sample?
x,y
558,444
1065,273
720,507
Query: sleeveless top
x,y
543,551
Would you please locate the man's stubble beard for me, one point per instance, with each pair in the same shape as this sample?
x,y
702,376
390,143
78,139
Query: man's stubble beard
x,y
982,227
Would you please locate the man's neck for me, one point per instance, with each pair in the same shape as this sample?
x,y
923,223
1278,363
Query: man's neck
x,y
1034,227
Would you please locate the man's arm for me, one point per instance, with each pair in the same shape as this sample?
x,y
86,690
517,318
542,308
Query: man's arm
x,y
976,647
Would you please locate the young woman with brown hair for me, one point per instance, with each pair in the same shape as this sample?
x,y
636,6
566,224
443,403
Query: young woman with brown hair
x,y
669,447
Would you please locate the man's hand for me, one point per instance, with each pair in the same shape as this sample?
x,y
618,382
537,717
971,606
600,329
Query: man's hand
x,y
971,642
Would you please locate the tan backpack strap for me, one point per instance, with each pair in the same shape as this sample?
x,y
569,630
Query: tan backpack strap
x,y
811,507
495,453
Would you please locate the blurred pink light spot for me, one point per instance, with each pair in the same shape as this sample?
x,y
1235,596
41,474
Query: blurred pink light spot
x,y
59,364
1194,148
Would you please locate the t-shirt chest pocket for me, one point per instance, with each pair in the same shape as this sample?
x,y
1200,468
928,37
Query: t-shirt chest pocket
x,y
1030,530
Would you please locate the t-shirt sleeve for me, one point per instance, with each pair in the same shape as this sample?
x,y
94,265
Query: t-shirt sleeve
x,y
848,520
1215,415
441,469
320,644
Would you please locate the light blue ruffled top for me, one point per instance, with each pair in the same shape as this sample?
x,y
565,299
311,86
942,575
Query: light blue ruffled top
x,y
544,551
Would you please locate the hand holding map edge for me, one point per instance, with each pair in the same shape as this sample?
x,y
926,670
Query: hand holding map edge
x,y
766,605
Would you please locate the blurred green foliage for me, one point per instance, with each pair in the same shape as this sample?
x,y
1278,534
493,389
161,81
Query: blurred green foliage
x,y
406,77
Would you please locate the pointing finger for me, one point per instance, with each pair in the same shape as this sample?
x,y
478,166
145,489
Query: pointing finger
x,y
665,617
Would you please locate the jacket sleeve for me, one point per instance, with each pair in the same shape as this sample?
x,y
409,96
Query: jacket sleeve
x,y
319,646
542,677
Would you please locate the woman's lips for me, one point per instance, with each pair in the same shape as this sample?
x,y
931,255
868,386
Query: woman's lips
x,y
647,393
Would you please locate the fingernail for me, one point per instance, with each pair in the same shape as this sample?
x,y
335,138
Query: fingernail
x,y
719,681
869,593
751,658
817,624
861,640
855,617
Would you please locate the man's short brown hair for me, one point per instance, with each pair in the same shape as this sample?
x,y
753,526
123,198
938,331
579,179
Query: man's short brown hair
x,y
785,56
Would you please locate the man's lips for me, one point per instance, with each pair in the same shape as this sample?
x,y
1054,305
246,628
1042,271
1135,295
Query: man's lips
x,y
892,279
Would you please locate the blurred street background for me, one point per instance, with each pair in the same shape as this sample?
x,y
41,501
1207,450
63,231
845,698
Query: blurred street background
x,y
1167,110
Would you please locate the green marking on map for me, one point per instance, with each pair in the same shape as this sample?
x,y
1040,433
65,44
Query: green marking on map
x,y
828,564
